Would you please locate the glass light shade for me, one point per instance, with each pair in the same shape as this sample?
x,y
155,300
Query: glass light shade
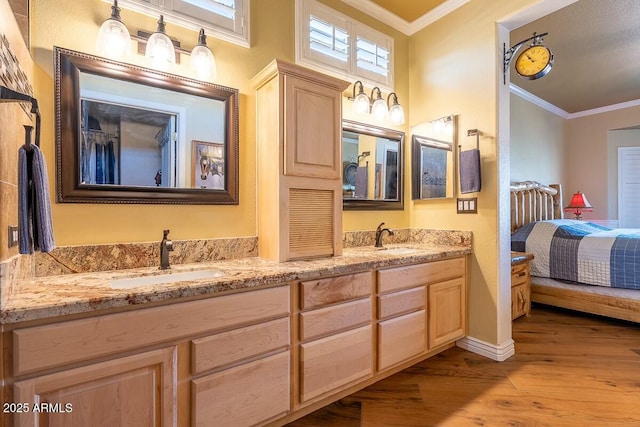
x,y
379,110
203,63
114,40
361,104
396,114
160,48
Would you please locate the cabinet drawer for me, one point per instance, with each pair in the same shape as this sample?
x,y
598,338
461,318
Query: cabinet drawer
x,y
401,338
245,395
420,274
233,346
401,302
519,274
316,293
48,346
334,318
330,363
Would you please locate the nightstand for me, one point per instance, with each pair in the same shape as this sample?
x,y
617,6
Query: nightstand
x,y
520,284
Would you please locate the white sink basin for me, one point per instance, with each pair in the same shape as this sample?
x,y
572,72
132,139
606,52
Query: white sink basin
x,y
159,279
400,251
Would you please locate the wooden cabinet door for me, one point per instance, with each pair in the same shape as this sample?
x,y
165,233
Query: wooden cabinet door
x,y
447,311
313,128
134,391
520,303
401,338
245,395
330,363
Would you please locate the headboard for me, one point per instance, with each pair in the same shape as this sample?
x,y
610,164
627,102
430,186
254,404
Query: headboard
x,y
532,201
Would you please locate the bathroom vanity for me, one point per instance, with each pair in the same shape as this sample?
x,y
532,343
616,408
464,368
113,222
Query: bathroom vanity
x,y
263,343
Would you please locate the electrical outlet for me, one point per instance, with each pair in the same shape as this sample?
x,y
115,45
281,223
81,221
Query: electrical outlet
x,y
13,235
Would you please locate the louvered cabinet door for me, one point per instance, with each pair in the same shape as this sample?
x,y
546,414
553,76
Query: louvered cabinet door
x,y
314,228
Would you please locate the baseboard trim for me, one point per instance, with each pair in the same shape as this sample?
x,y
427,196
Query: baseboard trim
x,y
499,353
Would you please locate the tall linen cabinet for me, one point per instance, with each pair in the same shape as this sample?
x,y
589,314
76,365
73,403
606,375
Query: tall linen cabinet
x,y
299,128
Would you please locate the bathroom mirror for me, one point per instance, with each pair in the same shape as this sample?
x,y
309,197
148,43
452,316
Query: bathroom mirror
x,y
126,134
433,159
372,167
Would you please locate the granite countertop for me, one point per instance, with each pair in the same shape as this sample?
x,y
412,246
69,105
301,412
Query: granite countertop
x,y
53,296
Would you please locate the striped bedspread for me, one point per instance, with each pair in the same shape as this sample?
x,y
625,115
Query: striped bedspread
x,y
581,252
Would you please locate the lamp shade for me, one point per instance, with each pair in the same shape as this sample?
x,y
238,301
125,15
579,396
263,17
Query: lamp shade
x,y
160,48
578,204
203,62
114,40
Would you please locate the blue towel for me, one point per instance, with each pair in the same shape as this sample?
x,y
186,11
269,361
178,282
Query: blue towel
x,y
470,178
34,207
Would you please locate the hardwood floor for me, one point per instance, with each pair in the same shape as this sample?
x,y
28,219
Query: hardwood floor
x,y
569,370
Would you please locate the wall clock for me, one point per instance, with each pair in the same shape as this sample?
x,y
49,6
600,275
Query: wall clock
x,y
534,62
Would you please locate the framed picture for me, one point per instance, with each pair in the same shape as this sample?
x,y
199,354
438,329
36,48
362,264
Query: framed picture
x,y
433,168
207,164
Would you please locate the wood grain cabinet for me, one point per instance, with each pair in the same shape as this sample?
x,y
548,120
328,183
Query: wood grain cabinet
x,y
299,138
335,334
217,361
420,307
520,284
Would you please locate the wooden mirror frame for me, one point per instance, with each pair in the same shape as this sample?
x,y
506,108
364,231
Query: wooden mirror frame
x,y
69,189
357,127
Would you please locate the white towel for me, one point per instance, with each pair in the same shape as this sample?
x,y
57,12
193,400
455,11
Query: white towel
x,y
34,207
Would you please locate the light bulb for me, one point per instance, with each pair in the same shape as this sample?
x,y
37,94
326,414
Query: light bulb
x,y
114,40
396,114
361,104
203,62
379,110
160,48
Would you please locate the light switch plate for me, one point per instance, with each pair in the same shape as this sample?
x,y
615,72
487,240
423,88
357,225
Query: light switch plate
x,y
467,205
13,235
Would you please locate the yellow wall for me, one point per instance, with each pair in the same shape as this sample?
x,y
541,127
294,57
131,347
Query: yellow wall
x,y
454,69
75,25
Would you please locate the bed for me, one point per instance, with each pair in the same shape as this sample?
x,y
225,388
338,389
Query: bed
x,y
612,256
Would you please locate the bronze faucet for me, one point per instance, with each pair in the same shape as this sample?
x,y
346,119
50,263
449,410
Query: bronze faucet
x,y
166,246
379,233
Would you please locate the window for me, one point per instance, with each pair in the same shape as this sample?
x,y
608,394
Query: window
x,y
341,46
224,19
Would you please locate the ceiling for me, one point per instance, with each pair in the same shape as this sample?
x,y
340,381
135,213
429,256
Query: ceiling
x,y
595,44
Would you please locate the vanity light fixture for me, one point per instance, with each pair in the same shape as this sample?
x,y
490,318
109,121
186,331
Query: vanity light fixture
x,y
396,112
376,106
379,109
114,40
361,101
160,48
203,62
442,123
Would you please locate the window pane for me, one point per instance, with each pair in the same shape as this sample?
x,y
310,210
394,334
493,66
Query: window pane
x,y
328,39
226,8
372,57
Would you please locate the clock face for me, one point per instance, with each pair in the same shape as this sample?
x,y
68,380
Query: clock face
x,y
534,62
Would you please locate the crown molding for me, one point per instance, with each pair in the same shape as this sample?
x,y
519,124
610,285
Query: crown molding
x,y
383,15
528,96
435,14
